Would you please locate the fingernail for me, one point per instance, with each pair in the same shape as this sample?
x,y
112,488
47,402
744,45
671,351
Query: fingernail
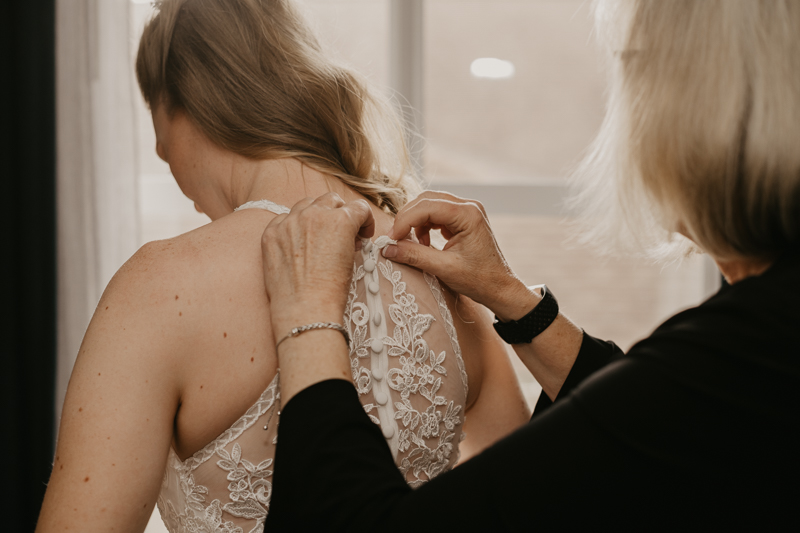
x,y
391,234
390,251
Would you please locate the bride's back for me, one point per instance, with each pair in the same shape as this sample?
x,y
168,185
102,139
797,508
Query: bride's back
x,y
405,356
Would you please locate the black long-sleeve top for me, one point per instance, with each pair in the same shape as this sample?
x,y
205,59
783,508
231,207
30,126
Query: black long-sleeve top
x,y
697,427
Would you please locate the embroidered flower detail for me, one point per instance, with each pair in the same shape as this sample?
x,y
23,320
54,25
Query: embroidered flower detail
x,y
418,373
250,490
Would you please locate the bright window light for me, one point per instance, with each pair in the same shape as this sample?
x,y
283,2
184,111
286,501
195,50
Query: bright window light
x,y
491,67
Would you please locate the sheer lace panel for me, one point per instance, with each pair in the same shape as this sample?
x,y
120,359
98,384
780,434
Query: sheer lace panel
x,y
226,486
407,367
406,362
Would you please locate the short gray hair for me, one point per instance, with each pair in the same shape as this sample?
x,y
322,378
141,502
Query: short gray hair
x,y
702,132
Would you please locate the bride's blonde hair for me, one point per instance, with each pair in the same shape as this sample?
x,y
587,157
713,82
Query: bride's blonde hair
x,y
252,75
702,127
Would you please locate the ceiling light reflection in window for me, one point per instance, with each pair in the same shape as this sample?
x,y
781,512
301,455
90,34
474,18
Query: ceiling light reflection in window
x,y
492,68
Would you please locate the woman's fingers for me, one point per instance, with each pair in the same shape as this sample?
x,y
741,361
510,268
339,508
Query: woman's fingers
x,y
420,256
423,234
455,216
425,196
330,200
362,217
308,257
441,195
301,205
277,220
470,263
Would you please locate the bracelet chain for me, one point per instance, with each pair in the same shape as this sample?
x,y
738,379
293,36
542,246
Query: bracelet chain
x,y
299,330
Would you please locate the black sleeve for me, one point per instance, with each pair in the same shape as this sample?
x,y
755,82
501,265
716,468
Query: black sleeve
x,y
668,437
334,471
594,355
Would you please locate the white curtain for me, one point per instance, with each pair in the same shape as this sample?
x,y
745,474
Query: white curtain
x,y
97,176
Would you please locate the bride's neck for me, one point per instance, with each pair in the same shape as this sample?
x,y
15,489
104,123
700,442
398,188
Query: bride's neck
x,y
283,181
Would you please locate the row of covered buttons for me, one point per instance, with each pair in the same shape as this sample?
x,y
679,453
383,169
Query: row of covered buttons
x,y
381,397
377,346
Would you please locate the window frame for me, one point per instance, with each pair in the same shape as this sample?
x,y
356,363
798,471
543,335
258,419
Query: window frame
x,y
406,79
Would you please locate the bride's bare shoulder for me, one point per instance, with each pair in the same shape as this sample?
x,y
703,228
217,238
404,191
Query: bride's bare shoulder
x,y
186,282
218,247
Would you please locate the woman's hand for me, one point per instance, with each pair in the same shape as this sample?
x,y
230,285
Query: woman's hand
x,y
308,264
308,259
471,262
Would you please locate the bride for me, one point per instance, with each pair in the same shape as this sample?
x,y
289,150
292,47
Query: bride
x,y
175,395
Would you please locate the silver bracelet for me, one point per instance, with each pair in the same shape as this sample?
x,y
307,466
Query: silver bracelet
x,y
316,325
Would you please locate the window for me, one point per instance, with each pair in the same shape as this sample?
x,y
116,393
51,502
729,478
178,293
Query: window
x,y
509,138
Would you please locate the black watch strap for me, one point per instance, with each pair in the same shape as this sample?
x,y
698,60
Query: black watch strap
x,y
523,331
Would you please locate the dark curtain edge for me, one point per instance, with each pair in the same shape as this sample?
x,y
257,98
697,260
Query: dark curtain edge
x,y
28,162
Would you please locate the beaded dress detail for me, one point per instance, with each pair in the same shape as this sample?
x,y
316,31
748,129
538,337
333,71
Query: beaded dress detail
x,y
407,367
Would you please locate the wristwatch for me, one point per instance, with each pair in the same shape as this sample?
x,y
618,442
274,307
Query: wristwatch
x,y
523,331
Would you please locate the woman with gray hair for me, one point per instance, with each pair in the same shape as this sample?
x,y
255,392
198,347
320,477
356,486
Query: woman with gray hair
x,y
693,427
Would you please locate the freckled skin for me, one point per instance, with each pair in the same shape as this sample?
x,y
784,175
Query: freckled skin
x,y
86,479
224,334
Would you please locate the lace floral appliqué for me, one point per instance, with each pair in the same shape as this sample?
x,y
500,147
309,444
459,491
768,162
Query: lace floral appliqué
x,y
426,437
249,485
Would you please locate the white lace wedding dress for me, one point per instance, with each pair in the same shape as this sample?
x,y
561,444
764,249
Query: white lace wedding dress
x,y
406,364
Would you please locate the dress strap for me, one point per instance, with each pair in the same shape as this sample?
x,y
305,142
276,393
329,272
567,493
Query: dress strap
x,y
266,205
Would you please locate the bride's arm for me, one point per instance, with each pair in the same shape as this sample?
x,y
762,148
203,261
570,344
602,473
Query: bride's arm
x,y
496,405
117,420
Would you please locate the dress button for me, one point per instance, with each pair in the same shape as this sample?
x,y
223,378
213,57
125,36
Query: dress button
x,y
376,318
369,265
377,345
377,374
388,432
368,246
381,398
374,287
